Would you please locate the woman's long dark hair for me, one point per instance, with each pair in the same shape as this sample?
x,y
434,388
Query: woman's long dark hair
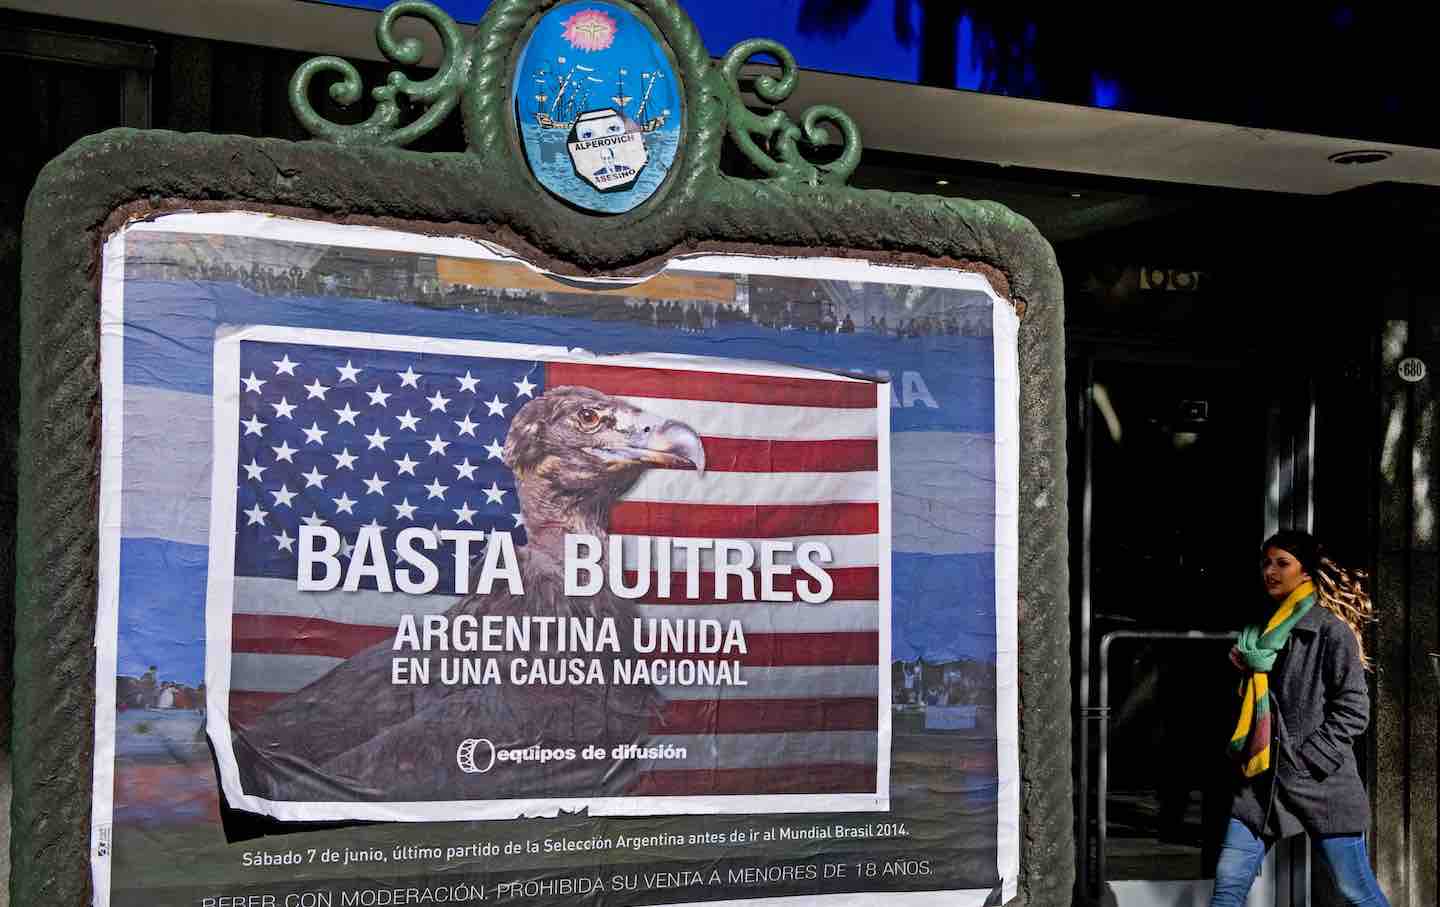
x,y
1338,590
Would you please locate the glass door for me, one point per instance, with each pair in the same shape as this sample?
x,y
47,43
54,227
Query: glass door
x,y
1186,465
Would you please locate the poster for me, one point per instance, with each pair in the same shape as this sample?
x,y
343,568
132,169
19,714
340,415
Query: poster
x,y
408,598
506,597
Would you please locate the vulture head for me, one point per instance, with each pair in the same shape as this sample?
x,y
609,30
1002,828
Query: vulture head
x,y
575,451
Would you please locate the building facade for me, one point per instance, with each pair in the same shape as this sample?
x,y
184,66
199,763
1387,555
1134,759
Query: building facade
x,y
1250,337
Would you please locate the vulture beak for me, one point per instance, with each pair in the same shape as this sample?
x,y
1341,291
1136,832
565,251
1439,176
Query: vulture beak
x,y
662,442
676,444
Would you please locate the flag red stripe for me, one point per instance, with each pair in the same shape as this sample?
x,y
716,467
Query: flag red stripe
x,y
820,778
743,521
796,650
275,634
851,584
693,716
749,455
766,716
677,384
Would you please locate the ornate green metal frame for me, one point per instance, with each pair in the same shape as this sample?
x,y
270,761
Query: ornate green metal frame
x,y
360,175
478,73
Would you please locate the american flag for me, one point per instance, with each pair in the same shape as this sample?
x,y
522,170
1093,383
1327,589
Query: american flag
x,y
348,433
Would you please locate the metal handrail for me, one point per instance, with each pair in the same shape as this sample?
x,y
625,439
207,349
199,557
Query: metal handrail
x,y
1103,713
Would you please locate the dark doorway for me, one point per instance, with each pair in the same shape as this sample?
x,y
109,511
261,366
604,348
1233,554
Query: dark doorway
x,y
1177,479
1174,477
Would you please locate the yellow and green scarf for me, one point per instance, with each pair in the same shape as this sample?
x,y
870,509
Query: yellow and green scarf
x,y
1258,646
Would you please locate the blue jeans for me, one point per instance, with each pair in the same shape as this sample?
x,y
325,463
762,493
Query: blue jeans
x,y
1344,855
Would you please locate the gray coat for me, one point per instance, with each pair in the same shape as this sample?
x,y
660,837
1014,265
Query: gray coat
x,y
1323,707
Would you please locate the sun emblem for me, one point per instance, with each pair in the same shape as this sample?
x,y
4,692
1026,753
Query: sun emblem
x,y
590,30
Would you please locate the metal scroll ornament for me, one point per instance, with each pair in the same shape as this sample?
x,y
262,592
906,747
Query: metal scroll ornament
x,y
782,134
439,93
771,141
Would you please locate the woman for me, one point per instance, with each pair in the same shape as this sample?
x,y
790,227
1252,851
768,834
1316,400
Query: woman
x,y
1303,703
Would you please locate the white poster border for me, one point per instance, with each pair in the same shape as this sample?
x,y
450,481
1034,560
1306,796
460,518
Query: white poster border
x,y
1006,330
107,605
221,585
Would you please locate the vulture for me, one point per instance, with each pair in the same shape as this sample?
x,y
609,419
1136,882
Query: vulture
x,y
353,736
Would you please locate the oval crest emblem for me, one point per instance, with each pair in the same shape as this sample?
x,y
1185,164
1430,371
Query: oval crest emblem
x,y
599,106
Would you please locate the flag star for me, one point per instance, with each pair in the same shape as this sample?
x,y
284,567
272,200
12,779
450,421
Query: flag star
x,y
254,426
465,470
284,452
377,440
436,489
495,406
408,378
347,415
344,459
494,494
283,409
314,478
439,401
343,504
466,426
378,397
464,514
523,387
375,485
438,446
346,547
283,496
316,389
348,372
254,469
519,519
314,519
283,365
493,450
253,384
404,510
284,541
256,515
407,465
315,434
407,421
467,383
373,524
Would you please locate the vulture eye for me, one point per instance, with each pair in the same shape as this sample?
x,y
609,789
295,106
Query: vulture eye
x,y
588,418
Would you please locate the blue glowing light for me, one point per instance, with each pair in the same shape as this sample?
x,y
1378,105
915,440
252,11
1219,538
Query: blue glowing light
x,y
1104,92
969,68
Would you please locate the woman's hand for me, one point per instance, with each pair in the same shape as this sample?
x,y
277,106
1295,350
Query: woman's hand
x,y
1238,660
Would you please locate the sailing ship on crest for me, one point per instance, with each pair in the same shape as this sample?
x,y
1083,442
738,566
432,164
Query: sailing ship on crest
x,y
563,98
